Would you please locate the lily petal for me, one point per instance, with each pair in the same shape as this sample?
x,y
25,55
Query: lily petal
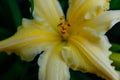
x,y
29,40
49,11
52,67
75,60
105,21
81,10
90,57
98,26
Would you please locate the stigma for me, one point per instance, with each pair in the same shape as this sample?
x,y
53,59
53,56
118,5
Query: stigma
x,y
63,28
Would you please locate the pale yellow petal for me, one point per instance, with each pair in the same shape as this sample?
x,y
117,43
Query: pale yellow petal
x,y
97,26
90,57
29,40
82,10
49,11
75,59
105,21
52,66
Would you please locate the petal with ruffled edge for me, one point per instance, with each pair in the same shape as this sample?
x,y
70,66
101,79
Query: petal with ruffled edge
x,y
92,57
98,26
52,66
74,59
81,10
30,39
49,11
105,21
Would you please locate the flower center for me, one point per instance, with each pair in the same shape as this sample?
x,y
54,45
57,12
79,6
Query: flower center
x,y
63,28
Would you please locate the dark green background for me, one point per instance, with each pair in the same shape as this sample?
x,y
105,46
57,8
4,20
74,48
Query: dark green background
x,y
13,68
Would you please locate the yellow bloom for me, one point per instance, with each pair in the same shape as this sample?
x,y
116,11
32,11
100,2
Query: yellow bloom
x,y
78,42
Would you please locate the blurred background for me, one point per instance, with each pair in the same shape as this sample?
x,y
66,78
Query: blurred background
x,y
13,68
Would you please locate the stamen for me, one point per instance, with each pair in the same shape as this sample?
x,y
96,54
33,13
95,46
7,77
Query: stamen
x,y
63,27
62,17
59,24
68,25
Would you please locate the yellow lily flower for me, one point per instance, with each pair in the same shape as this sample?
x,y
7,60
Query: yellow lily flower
x,y
78,42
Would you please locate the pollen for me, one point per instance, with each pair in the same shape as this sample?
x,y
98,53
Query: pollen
x,y
63,28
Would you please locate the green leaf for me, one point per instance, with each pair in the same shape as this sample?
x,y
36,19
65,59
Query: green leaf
x,y
64,5
13,68
16,14
115,47
116,60
78,75
32,7
4,33
115,4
